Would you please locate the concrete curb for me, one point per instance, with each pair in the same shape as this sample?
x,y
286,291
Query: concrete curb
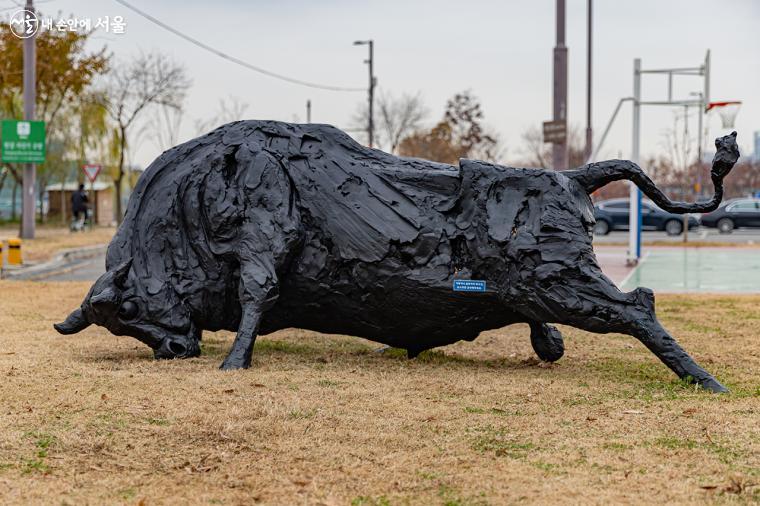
x,y
64,261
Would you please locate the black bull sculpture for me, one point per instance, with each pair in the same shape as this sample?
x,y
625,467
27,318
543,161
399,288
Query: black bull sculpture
x,y
261,225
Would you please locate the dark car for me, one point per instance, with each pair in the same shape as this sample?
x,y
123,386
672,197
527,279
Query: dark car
x,y
736,213
613,215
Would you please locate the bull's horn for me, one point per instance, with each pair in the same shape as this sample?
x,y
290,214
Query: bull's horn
x,y
75,322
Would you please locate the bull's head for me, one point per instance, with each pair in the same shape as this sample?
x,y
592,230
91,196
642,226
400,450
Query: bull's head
x,y
118,303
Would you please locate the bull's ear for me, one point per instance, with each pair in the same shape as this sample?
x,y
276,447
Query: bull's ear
x,y
121,272
74,323
106,296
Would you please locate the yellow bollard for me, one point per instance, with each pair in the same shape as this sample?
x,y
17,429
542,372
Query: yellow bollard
x,y
14,252
1,256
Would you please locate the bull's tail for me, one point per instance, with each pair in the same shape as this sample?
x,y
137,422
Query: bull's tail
x,y
595,175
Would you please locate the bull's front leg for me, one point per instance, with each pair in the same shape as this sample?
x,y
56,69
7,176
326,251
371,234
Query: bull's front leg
x,y
239,356
257,292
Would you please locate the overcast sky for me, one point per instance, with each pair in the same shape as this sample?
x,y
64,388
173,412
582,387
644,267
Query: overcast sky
x,y
501,50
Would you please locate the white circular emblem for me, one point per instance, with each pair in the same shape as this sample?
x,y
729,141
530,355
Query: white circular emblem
x,y
24,24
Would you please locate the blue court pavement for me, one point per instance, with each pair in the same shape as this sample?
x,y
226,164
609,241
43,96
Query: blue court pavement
x,y
708,270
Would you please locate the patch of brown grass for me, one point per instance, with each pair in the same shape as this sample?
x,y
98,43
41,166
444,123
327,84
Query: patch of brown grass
x,y
323,419
50,240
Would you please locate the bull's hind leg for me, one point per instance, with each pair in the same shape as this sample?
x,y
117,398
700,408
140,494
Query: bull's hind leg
x,y
590,301
546,341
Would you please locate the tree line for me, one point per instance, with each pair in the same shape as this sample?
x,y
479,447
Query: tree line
x,y
90,102
462,132
97,108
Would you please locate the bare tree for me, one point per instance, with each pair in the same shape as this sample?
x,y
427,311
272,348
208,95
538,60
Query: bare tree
x,y
3,175
678,169
462,133
231,109
534,151
164,125
147,80
680,144
537,153
438,144
395,118
465,116
745,179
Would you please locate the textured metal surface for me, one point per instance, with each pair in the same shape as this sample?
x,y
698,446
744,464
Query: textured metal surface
x,y
260,226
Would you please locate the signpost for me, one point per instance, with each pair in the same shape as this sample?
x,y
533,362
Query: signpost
x,y
92,171
23,141
555,131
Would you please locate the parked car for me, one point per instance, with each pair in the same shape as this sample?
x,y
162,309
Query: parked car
x,y
735,213
613,215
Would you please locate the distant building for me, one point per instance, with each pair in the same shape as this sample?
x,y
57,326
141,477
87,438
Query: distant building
x,y
59,198
756,154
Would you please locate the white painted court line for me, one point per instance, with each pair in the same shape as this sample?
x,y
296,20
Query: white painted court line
x,y
643,259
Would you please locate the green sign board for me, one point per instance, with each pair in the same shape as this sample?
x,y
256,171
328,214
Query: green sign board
x,y
23,141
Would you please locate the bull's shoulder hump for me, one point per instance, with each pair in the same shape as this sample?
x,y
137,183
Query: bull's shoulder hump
x,y
526,177
476,173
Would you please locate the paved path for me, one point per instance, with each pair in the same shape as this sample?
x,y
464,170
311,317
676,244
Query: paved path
x,y
89,269
612,260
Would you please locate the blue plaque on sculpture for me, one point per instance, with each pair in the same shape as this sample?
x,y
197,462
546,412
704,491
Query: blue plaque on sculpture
x,y
469,285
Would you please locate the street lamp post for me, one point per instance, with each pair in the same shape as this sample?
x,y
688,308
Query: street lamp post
x,y
29,79
371,89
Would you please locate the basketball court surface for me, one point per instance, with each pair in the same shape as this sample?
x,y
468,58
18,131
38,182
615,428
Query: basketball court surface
x,y
679,270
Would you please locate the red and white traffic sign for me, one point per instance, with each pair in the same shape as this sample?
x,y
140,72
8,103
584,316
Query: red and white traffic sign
x,y
91,171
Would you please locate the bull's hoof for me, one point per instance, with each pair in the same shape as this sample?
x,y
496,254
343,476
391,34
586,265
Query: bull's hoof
x,y
414,352
234,363
712,385
547,342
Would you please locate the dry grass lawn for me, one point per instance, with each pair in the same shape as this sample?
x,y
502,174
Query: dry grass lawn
x,y
50,240
92,419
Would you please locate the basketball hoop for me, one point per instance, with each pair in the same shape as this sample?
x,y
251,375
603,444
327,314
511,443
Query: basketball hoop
x,y
726,110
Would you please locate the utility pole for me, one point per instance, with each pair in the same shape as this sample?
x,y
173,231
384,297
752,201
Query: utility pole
x,y
371,90
559,149
30,96
686,167
308,111
371,63
589,45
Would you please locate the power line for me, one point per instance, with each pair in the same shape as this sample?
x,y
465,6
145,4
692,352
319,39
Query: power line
x,y
232,58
